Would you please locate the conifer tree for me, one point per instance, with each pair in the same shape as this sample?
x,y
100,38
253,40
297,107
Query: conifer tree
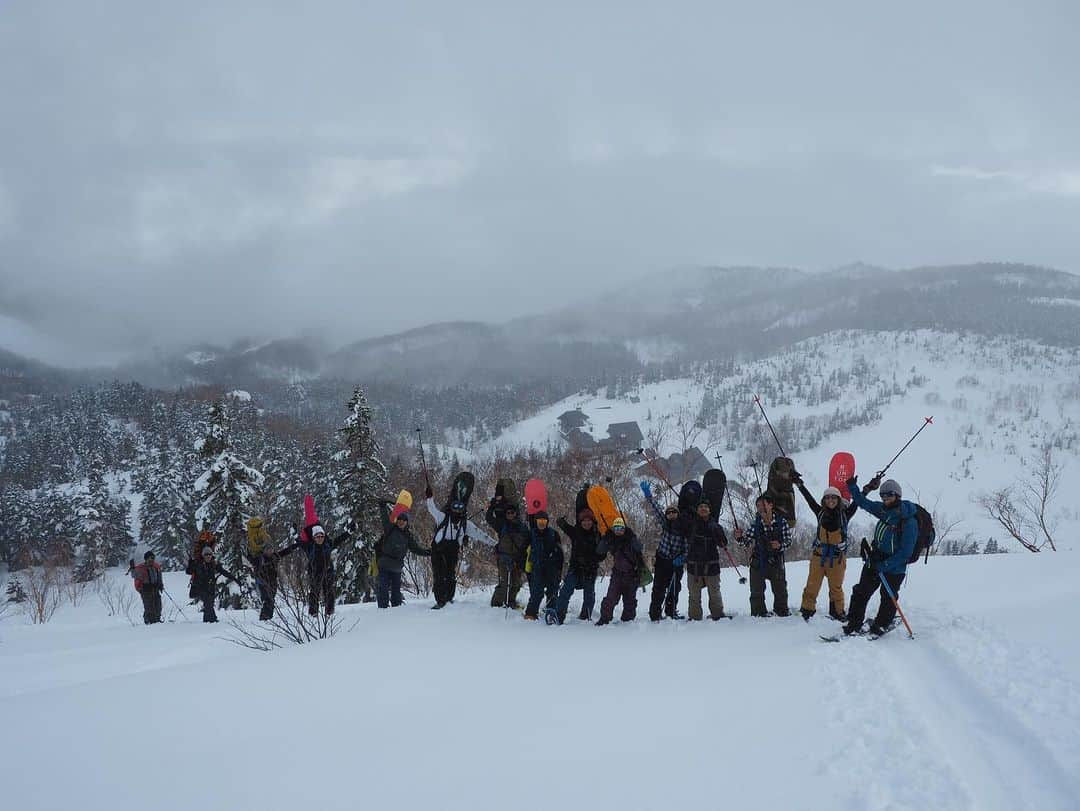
x,y
165,515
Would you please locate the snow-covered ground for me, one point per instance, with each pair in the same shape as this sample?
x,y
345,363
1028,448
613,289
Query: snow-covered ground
x,y
463,709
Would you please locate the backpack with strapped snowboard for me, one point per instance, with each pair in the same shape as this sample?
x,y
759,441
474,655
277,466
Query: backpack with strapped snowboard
x,y
927,534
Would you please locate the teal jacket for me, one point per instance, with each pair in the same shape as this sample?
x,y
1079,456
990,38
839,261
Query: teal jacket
x,y
894,548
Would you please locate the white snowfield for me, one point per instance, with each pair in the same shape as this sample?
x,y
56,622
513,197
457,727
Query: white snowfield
x,y
462,709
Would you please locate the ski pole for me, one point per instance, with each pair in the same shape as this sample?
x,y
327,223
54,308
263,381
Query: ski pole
x,y
423,460
735,521
892,594
171,600
656,468
766,416
926,421
509,579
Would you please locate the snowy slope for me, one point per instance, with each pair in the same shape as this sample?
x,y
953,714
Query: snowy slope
x,y
463,709
995,402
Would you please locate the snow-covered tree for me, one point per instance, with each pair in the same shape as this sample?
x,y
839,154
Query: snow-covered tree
x,y
103,535
361,483
165,518
227,492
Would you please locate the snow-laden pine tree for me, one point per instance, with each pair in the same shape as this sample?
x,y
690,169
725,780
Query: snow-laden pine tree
x,y
227,493
103,534
165,518
361,483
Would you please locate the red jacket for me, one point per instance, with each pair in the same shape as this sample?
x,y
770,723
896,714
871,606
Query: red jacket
x,y
144,575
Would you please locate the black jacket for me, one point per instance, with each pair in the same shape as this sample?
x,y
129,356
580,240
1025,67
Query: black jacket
x,y
265,566
627,553
204,575
703,542
395,544
584,557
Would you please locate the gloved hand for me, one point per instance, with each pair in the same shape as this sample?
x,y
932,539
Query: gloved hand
x,y
428,492
852,483
679,562
646,488
864,550
161,587
739,534
796,477
874,483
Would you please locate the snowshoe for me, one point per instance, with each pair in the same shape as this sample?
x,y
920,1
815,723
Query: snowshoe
x,y
551,617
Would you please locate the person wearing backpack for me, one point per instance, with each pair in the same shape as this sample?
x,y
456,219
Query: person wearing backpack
x,y
453,529
204,572
584,563
627,561
769,536
263,560
828,561
320,568
704,538
510,553
390,550
544,565
895,539
148,583
669,560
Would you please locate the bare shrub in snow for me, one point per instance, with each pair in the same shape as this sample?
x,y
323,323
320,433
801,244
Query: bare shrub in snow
x,y
118,597
43,592
1023,510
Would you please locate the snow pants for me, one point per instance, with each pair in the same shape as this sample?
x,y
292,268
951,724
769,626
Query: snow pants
x,y
444,559
622,586
695,583
268,594
571,583
388,592
774,575
666,585
151,605
506,591
322,588
540,587
864,590
208,612
833,570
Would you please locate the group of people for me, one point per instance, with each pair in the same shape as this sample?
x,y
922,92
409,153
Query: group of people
x,y
529,549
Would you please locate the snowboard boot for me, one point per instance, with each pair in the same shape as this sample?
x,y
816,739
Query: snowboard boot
x,y
530,617
603,621
852,628
807,614
437,606
585,616
839,616
675,615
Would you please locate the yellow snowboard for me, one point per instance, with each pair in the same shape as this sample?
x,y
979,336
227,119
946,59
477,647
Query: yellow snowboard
x,y
602,506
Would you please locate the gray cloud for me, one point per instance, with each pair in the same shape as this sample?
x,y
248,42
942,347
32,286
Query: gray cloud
x,y
170,172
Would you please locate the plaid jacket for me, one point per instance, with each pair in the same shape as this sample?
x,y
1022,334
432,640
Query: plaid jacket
x,y
761,536
672,544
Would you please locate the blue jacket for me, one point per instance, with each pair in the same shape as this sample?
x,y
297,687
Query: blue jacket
x,y
897,550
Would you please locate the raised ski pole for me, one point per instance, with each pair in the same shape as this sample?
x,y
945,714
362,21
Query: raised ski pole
x,y
892,594
766,416
423,461
926,421
171,600
735,521
656,468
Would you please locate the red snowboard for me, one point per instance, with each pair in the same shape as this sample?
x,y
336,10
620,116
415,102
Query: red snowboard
x,y
535,497
841,468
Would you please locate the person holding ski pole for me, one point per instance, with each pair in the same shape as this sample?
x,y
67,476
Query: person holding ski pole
x,y
829,557
769,536
669,560
584,563
887,557
453,529
263,559
204,572
627,561
148,583
390,550
544,566
510,553
704,539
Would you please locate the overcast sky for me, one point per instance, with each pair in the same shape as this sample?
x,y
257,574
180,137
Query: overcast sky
x,y
174,171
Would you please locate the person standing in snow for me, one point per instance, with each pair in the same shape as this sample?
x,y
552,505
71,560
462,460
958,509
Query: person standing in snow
x,y
148,583
514,539
390,550
829,557
669,561
894,541
263,559
584,563
704,539
544,565
320,568
627,560
453,529
204,572
769,535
